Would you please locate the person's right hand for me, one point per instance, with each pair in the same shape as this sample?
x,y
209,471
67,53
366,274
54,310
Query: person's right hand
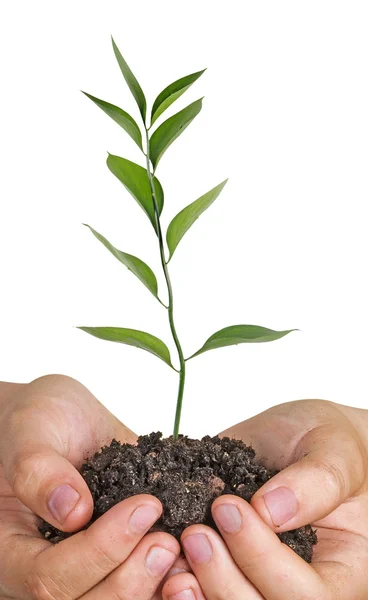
x,y
47,429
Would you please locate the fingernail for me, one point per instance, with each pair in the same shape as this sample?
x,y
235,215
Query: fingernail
x,y
175,571
198,548
159,560
282,505
228,517
61,502
143,518
184,595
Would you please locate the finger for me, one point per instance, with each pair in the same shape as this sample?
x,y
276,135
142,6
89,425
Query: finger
x,y
48,429
141,574
274,569
320,453
49,485
183,587
181,565
331,469
71,568
211,562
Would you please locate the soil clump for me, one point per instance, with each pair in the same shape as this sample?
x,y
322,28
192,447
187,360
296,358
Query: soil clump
x,y
186,475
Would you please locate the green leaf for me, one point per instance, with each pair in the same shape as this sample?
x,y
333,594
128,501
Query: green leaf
x,y
240,334
171,93
132,337
134,264
185,219
167,133
135,179
120,117
132,82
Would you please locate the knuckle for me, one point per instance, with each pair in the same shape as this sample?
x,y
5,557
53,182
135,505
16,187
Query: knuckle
x,y
332,473
102,556
57,388
54,379
15,419
102,559
254,562
41,587
26,472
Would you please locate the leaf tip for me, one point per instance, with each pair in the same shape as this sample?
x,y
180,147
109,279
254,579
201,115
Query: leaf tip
x,y
93,98
115,48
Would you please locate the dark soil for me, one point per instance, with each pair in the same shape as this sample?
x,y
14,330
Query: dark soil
x,y
186,475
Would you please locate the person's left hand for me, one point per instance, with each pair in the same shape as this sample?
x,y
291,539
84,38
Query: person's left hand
x,y
324,449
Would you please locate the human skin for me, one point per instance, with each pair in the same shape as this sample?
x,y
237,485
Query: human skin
x,y
49,426
322,450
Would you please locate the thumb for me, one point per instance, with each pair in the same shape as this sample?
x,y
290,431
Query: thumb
x,y
50,486
329,466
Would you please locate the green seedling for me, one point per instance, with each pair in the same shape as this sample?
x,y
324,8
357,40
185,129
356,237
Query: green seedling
x,y
146,189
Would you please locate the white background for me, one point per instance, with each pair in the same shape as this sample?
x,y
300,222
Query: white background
x,y
285,245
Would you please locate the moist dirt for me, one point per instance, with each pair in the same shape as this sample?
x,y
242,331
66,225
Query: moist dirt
x,y
186,475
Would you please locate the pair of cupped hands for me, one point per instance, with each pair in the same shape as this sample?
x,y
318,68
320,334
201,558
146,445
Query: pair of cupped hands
x,y
49,426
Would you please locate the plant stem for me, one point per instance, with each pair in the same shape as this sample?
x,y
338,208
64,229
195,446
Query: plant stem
x,y
170,308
